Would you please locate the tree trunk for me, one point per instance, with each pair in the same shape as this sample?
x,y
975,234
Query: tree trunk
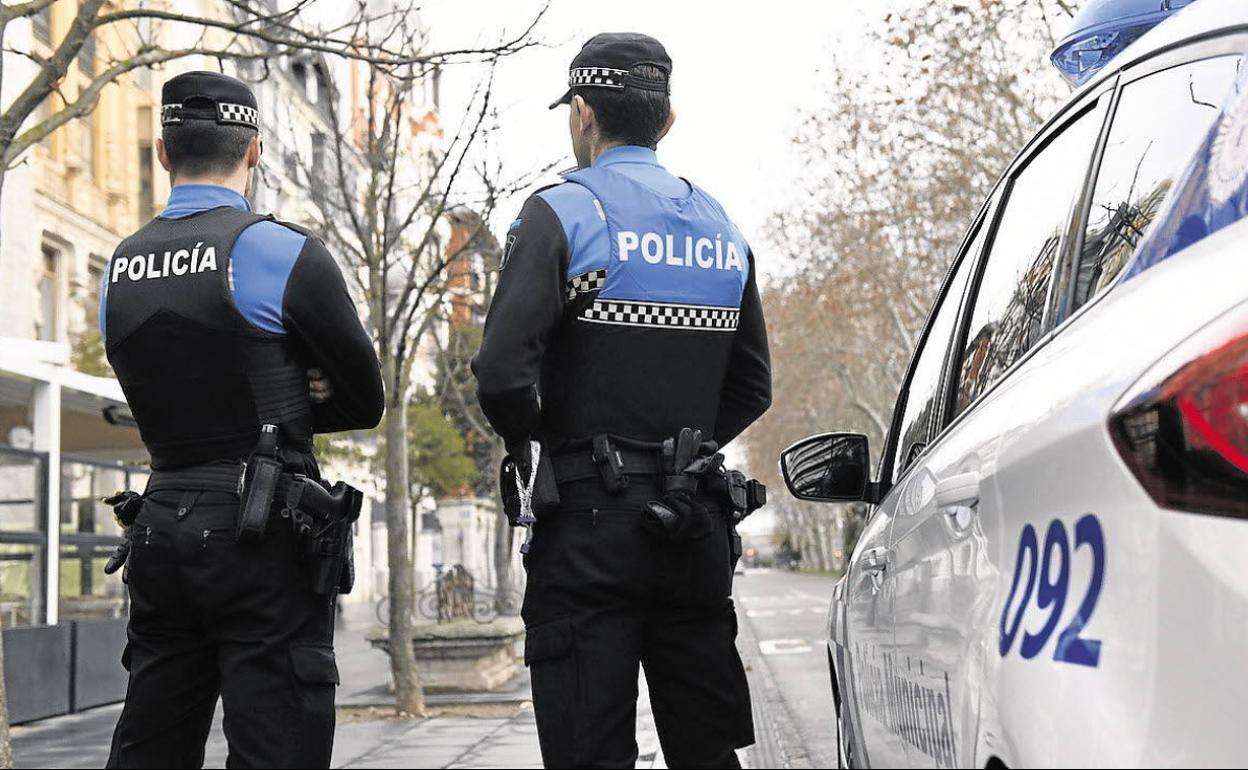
x,y
408,696
6,749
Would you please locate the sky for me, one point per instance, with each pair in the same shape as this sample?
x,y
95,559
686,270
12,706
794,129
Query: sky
x,y
742,75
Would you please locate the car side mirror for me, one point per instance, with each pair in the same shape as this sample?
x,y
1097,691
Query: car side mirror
x,y
830,468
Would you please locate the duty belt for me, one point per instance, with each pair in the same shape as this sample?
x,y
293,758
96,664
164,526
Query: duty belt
x,y
579,466
212,477
615,463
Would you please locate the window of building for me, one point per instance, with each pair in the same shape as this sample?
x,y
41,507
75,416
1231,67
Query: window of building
x,y
86,56
1008,315
147,180
41,23
924,387
146,163
1159,123
48,284
86,144
23,544
95,283
88,537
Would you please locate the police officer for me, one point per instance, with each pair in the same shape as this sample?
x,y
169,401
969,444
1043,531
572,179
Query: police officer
x,y
626,339
218,321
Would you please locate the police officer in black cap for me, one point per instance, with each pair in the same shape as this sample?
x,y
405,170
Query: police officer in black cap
x,y
235,340
624,346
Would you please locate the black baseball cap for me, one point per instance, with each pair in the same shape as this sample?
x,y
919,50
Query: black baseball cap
x,y
204,95
605,61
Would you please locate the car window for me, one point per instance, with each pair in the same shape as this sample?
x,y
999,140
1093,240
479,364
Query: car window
x,y
1158,125
929,363
1008,312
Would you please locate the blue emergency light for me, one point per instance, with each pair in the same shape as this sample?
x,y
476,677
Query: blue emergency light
x,y
1102,29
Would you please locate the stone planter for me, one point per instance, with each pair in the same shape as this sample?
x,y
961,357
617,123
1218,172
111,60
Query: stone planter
x,y
463,655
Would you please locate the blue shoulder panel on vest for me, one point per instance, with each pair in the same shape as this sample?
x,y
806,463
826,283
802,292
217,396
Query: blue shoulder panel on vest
x,y
260,265
682,251
586,231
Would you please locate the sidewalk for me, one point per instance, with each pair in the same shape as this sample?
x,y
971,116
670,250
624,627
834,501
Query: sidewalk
x,y
82,740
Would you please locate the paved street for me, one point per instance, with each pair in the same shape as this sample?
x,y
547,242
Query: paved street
x,y
786,613
782,617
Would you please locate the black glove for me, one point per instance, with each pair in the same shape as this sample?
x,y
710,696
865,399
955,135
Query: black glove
x,y
676,517
521,454
126,507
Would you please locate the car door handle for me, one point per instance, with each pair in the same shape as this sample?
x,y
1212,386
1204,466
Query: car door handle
x,y
957,491
875,560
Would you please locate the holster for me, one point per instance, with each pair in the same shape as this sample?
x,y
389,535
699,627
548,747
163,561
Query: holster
x,y
323,517
743,495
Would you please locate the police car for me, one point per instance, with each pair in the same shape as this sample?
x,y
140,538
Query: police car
x,y
1054,571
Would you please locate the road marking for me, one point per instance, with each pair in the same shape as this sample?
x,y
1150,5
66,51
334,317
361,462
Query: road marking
x,y
784,646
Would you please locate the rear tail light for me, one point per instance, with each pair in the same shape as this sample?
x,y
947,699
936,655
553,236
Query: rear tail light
x,y
1183,428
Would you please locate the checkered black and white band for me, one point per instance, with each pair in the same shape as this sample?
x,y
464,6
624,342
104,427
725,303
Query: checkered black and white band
x,y
659,314
586,282
169,114
238,113
226,113
596,76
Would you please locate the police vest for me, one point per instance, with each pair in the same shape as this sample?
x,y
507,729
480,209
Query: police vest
x,y
651,328
200,379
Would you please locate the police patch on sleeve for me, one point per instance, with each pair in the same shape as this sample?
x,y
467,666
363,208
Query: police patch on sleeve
x,y
512,233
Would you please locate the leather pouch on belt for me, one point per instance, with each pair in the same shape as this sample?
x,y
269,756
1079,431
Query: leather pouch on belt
x,y
259,489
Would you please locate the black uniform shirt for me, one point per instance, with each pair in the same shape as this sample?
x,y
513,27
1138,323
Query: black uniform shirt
x,y
544,371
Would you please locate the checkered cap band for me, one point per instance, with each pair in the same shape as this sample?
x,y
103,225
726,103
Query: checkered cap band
x,y
662,315
587,282
169,114
238,113
605,77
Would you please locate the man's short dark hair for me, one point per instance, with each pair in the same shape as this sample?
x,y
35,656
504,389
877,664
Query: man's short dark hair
x,y
633,115
205,147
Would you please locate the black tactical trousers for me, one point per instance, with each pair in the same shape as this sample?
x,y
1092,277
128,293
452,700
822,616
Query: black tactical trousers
x,y
209,618
603,597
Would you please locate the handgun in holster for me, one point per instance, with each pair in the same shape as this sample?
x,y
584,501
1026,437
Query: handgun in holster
x,y
126,506
323,518
745,495
262,473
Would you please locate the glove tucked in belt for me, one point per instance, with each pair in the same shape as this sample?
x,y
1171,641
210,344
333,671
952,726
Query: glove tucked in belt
x,y
126,507
677,516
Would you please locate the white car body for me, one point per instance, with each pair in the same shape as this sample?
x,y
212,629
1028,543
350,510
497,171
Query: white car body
x,y
919,623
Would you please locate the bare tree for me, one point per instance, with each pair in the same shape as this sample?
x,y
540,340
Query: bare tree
x,y
903,148
141,37
383,194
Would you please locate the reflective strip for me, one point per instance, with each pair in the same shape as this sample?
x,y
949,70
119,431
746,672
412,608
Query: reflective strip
x,y
663,315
